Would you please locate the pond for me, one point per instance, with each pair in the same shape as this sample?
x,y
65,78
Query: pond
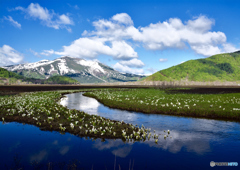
x,y
192,143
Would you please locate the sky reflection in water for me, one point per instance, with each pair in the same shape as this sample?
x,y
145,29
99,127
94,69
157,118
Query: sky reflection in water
x,y
194,142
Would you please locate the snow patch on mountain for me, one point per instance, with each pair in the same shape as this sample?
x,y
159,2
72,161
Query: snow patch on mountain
x,y
42,70
51,70
93,65
63,68
28,65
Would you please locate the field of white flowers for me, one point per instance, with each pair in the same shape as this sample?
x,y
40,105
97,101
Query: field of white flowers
x,y
42,109
159,101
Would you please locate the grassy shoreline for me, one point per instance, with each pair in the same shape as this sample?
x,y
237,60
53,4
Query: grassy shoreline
x,y
170,102
42,110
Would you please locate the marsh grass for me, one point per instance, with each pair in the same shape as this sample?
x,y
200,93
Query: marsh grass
x,y
163,101
42,110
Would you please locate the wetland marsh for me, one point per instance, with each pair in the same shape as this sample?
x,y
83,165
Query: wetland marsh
x,y
190,142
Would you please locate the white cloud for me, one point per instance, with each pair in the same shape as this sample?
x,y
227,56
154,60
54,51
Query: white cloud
x,y
73,6
17,8
127,69
151,70
201,24
69,29
123,50
64,19
92,47
228,48
48,18
206,50
36,11
76,7
172,33
47,52
9,56
123,18
133,63
34,52
116,36
13,22
163,59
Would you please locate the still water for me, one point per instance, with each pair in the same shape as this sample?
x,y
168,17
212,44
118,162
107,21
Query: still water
x,y
194,143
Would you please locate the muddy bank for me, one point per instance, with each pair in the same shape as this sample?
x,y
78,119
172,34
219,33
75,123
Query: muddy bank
x,y
14,89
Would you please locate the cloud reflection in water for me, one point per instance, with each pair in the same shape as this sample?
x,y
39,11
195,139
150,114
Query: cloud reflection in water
x,y
193,134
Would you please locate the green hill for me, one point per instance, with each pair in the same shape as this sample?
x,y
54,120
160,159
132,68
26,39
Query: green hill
x,y
60,80
220,67
8,77
8,74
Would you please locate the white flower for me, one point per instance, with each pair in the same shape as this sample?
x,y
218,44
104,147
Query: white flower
x,y
72,125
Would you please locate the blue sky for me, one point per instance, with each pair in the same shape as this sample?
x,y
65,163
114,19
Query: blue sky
x,y
139,37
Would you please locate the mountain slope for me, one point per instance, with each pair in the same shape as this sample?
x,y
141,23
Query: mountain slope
x,y
8,77
220,67
7,74
60,80
78,69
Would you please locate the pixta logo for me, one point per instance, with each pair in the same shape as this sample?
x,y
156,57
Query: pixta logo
x,y
212,164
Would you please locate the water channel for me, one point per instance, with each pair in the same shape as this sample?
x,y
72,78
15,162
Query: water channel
x,y
193,144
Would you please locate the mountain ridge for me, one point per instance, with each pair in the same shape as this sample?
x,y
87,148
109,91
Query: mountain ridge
x,y
84,71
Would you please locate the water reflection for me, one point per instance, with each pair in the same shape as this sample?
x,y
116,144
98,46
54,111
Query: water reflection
x,y
41,155
117,147
88,105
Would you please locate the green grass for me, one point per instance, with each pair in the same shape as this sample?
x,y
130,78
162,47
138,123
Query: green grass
x,y
42,110
223,106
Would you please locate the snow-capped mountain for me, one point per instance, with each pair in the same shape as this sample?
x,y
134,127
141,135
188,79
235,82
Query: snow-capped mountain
x,y
82,70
